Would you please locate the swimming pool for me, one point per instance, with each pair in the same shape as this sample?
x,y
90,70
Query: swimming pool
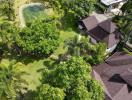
x,y
33,12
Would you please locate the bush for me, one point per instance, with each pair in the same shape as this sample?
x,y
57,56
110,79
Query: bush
x,y
39,38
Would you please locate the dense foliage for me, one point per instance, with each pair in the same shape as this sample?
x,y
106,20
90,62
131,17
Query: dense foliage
x,y
7,34
74,77
79,8
127,7
93,54
124,22
69,79
47,92
39,38
7,9
11,82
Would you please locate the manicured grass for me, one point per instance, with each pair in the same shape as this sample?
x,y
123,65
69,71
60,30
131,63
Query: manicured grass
x,y
64,35
31,65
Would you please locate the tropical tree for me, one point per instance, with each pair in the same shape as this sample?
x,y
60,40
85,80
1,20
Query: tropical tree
x,y
124,22
8,9
126,31
73,46
7,34
78,8
74,77
39,38
127,8
47,92
11,82
92,53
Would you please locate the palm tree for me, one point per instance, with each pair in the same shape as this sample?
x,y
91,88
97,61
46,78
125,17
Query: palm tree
x,y
127,7
73,46
126,29
11,82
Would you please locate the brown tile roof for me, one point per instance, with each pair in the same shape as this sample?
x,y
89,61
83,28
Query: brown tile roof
x,y
98,33
119,58
127,76
90,22
114,76
101,31
102,36
108,26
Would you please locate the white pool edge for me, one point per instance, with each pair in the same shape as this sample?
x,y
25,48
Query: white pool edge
x,y
21,16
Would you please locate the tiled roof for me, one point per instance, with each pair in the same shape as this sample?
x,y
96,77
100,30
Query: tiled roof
x,y
90,22
108,26
102,32
114,76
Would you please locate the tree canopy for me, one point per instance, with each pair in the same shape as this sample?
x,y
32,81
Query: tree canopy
x,y
92,53
11,82
74,77
79,8
127,7
47,92
41,37
7,9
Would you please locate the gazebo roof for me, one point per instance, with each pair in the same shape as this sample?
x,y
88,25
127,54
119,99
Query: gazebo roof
x,y
109,2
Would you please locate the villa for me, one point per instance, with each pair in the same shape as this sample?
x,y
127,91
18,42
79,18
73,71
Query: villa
x,y
113,5
115,74
106,31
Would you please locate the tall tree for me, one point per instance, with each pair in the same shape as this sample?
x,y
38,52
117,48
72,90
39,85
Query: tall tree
x,y
47,92
7,33
127,8
39,38
93,54
8,9
79,8
74,77
11,82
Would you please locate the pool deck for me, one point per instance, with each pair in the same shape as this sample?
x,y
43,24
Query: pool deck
x,y
21,16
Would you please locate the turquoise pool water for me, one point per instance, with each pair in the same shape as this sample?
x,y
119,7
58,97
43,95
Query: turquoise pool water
x,y
33,12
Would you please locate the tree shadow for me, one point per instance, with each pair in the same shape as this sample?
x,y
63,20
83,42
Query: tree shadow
x,y
69,23
24,58
50,64
30,95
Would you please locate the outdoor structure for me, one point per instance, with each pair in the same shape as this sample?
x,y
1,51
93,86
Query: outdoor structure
x,y
115,74
105,31
113,5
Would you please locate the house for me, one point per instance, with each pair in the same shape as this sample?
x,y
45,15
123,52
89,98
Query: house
x,y
115,74
113,5
105,31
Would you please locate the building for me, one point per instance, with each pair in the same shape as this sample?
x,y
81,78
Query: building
x,y
105,31
113,5
115,74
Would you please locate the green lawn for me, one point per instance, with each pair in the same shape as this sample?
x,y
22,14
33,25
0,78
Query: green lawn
x,y
32,65
64,35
